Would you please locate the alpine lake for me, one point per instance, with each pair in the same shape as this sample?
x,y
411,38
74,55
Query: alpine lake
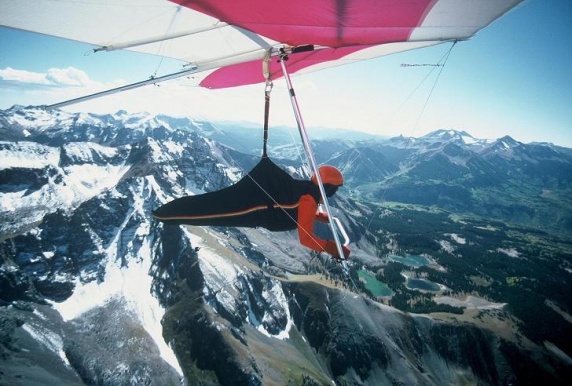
x,y
380,289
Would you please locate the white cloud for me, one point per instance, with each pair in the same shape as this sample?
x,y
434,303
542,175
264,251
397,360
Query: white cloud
x,y
68,77
54,77
23,76
22,87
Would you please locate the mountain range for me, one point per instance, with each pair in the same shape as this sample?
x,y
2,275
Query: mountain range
x,y
94,291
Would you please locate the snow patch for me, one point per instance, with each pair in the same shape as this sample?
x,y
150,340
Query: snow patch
x,y
174,147
277,293
133,284
48,255
84,151
511,252
49,339
64,187
558,352
470,302
469,140
89,180
456,238
447,246
27,155
38,120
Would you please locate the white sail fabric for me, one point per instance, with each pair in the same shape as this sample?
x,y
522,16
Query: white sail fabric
x,y
120,22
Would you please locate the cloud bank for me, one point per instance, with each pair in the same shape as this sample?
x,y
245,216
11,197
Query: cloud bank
x,y
54,77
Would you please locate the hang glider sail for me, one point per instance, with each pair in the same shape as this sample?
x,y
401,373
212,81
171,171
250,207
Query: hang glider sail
x,y
227,41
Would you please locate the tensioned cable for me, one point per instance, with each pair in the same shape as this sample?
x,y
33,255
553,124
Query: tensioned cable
x,y
160,46
441,64
441,68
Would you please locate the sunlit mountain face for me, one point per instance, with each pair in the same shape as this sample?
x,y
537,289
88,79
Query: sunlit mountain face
x,y
459,270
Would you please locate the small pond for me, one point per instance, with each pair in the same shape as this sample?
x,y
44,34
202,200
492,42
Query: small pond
x,y
414,261
376,287
422,284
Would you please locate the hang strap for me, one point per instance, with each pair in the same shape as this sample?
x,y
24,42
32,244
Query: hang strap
x,y
267,91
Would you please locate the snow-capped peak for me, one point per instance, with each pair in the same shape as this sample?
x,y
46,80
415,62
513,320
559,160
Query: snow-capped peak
x,y
451,135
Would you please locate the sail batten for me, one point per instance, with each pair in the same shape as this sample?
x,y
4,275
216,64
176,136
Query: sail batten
x,y
142,42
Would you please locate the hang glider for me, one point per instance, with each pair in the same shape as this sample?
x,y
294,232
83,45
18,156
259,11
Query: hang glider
x,y
227,41
234,43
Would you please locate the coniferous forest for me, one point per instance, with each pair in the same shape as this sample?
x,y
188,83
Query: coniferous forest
x,y
524,268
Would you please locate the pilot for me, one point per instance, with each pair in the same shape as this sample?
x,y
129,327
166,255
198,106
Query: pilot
x,y
308,212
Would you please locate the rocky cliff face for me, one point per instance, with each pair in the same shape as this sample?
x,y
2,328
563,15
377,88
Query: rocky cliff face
x,y
93,291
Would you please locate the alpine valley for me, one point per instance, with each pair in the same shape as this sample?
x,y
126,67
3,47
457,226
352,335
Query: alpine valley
x,y
460,272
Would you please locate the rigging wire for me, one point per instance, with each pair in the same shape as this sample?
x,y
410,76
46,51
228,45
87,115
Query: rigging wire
x,y
158,52
162,42
441,68
441,65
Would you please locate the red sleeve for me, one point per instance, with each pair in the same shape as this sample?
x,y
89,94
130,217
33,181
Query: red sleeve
x,y
306,216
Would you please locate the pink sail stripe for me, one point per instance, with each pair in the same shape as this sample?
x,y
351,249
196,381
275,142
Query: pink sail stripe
x,y
328,23
252,72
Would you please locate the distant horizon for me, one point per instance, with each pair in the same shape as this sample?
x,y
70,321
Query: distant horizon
x,y
258,125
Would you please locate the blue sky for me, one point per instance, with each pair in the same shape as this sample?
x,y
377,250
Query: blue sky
x,y
513,78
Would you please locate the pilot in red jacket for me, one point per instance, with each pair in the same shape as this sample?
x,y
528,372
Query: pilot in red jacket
x,y
308,212
266,197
